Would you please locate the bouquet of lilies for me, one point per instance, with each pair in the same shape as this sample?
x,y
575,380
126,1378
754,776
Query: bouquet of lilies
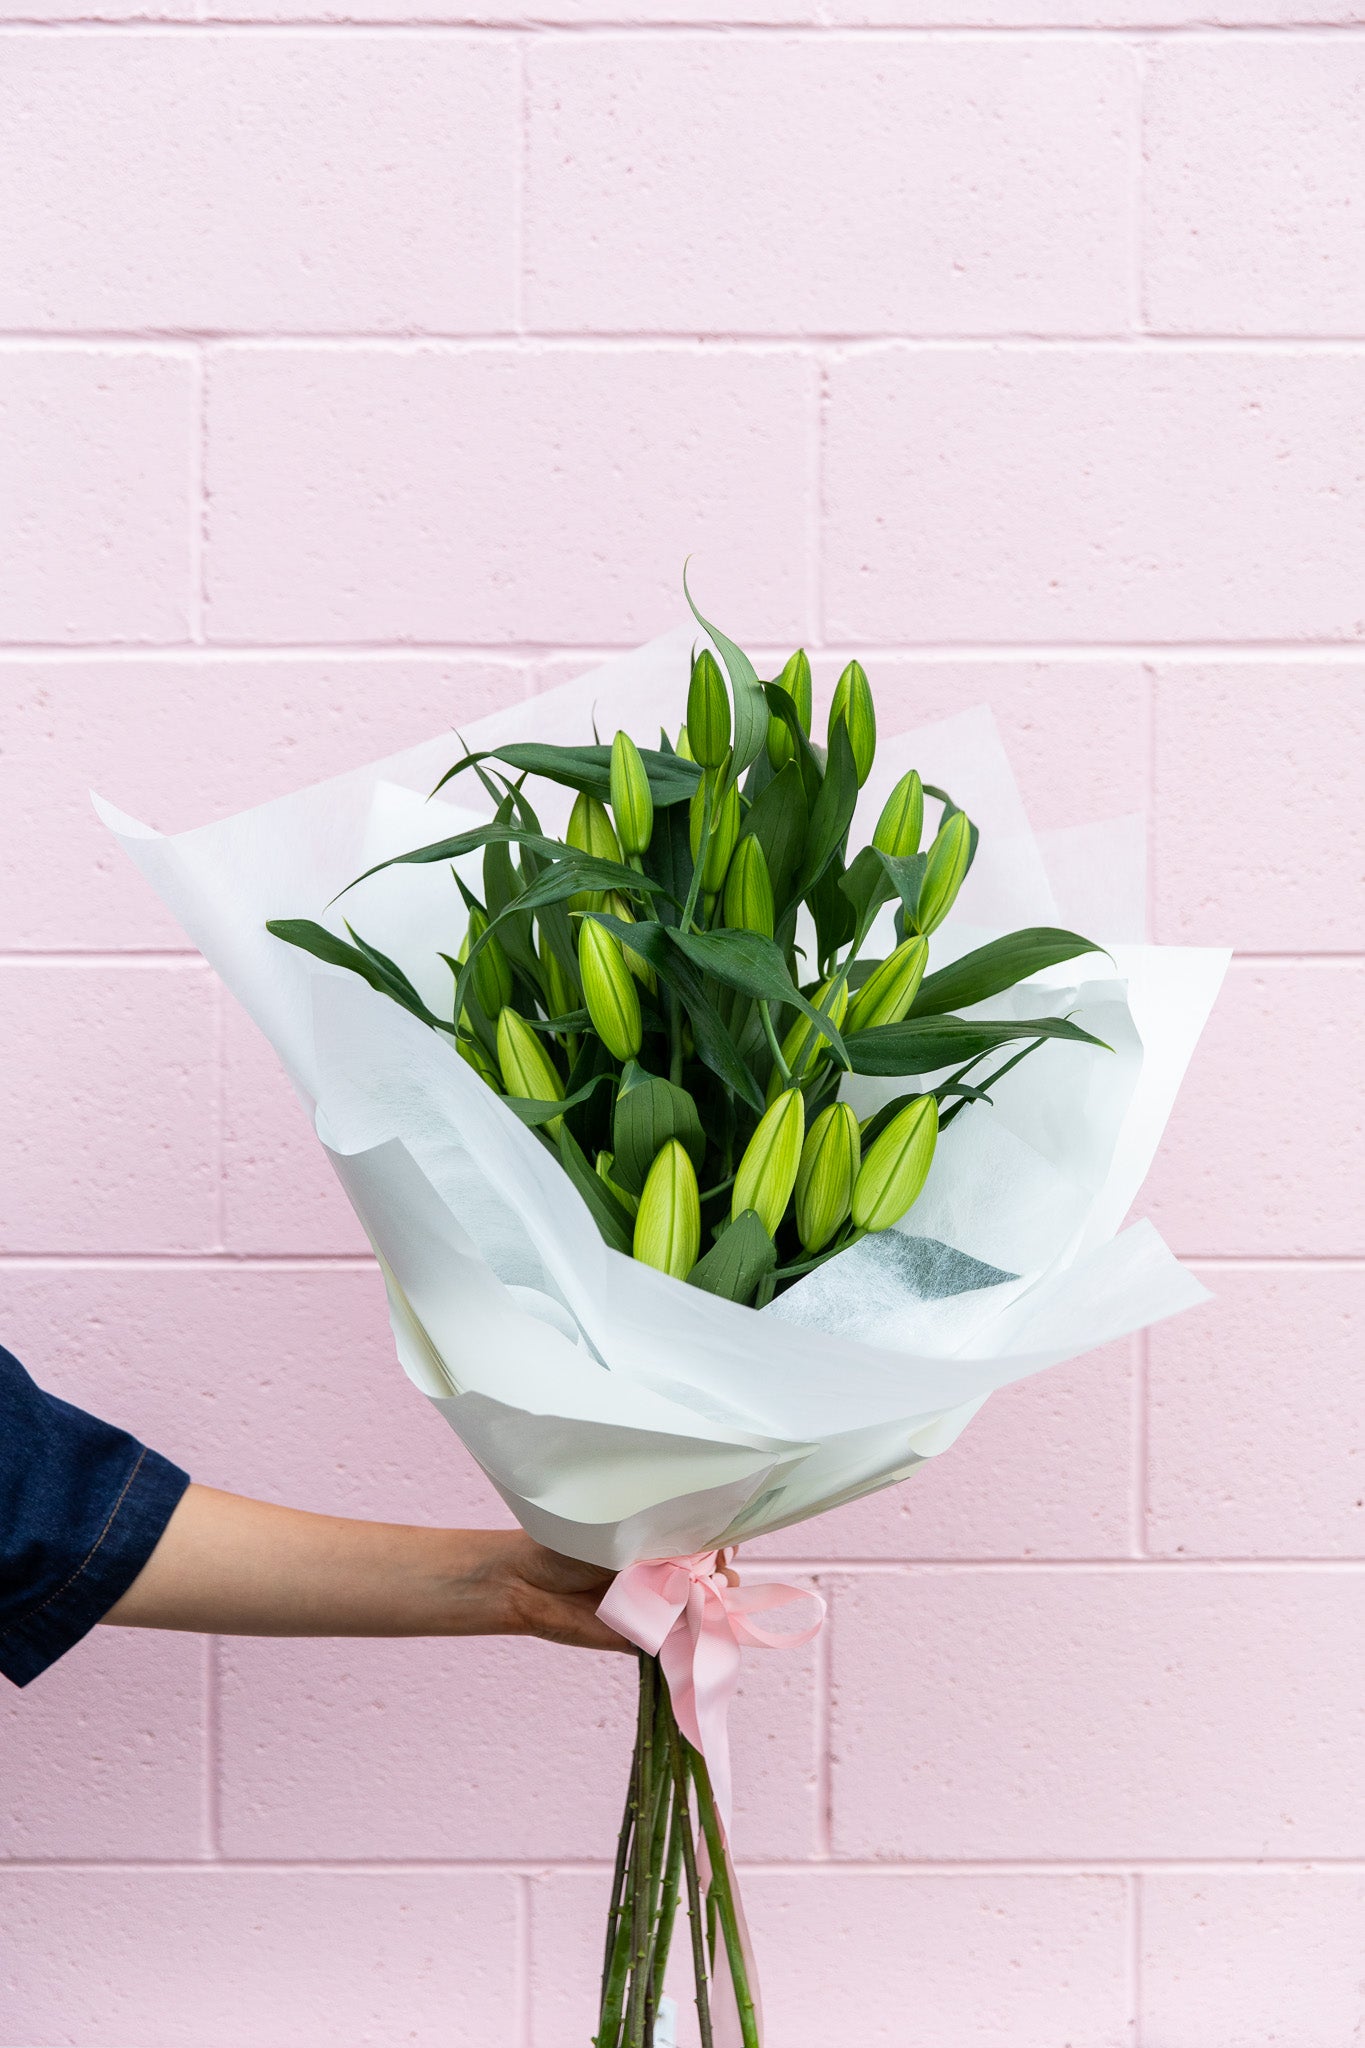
x,y
699,1020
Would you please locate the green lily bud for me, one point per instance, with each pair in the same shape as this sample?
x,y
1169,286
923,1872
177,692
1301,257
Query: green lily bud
x,y
794,1044
748,903
636,962
527,1069
853,704
632,800
945,872
473,1053
492,969
608,990
824,1180
590,829
708,711
767,1172
897,1166
795,680
902,820
725,824
885,997
605,1162
561,997
668,1221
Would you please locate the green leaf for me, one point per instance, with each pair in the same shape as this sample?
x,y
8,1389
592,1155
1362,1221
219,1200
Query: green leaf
x,y
577,871
610,874
777,819
535,1113
650,1111
905,873
610,1216
671,779
783,705
922,1045
716,1048
751,707
865,882
950,810
755,966
831,910
668,858
1000,965
832,812
737,1261
372,967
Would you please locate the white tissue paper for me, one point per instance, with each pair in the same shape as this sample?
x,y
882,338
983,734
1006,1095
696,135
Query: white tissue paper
x,y
622,1414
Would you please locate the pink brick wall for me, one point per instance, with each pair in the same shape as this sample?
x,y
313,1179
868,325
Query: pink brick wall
x,y
357,374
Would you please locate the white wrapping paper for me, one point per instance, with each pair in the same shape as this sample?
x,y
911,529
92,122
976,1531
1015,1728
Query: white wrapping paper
x,y
621,1414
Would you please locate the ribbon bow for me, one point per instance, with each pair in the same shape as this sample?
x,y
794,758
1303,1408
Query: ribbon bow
x,y
691,1613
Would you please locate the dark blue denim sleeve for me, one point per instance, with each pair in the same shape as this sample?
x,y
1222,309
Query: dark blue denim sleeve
x,y
82,1505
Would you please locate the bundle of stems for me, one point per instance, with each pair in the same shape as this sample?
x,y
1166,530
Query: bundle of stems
x,y
670,1809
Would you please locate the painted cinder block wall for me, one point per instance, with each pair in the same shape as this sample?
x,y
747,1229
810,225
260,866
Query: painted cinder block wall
x,y
357,374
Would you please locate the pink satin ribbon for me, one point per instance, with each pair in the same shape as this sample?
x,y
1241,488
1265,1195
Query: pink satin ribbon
x,y
685,1612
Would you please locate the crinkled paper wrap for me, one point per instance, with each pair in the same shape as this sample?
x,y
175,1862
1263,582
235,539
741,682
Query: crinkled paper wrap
x,y
622,1414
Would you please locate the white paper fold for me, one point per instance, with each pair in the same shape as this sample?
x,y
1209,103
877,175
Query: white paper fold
x,y
620,1413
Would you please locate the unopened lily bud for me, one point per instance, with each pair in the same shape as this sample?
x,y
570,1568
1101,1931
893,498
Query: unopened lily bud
x,y
605,1162
795,680
632,800
668,1221
608,990
748,903
725,823
794,1044
824,1180
945,872
885,997
897,1166
708,711
492,970
636,962
561,997
527,1069
767,1172
590,829
471,1051
854,707
901,823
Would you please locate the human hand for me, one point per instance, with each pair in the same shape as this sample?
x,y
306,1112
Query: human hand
x,y
534,1591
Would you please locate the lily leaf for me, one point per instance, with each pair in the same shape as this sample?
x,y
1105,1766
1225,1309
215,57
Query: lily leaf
x,y
991,969
751,706
755,966
832,812
922,1045
650,1111
671,779
610,1216
737,1261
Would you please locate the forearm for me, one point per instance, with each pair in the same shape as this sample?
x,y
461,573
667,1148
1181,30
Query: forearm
x,y
231,1566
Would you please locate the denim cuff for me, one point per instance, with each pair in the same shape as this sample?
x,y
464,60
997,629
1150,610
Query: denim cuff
x,y
148,1497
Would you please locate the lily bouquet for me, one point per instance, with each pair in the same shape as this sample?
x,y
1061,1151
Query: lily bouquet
x,y
715,1175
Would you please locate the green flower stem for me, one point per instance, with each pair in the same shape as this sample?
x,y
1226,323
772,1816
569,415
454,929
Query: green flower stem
x,y
723,1898
682,1807
616,1962
770,1033
707,812
668,1905
640,1871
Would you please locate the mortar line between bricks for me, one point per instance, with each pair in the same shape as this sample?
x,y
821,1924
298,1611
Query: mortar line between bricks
x,y
521,185
522,2011
1247,653
471,28
1137,195
1135,1954
822,1676
853,1867
183,341
229,1261
197,455
1137,1532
